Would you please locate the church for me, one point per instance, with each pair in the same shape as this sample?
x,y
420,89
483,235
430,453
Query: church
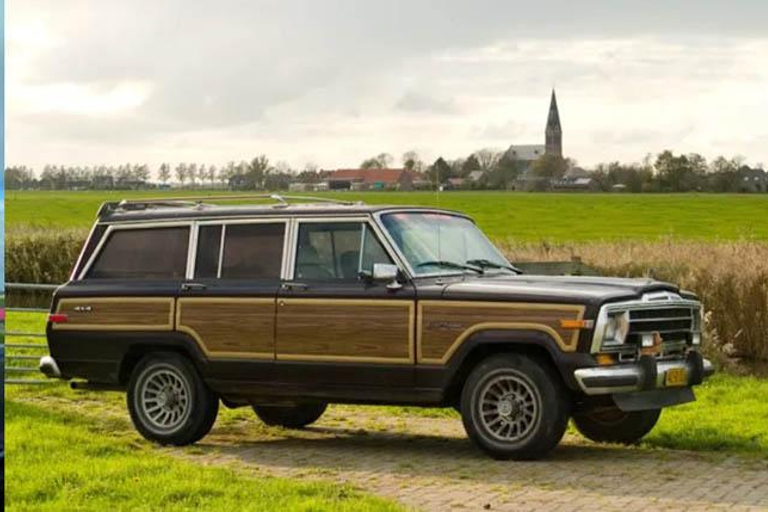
x,y
526,154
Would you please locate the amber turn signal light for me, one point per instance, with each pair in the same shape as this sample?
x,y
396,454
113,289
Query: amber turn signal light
x,y
576,324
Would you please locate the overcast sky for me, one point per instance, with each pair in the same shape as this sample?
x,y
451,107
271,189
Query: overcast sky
x,y
333,82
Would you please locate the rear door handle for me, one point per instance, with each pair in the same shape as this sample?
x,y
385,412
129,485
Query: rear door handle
x,y
193,287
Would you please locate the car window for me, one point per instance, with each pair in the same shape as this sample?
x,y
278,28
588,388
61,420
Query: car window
x,y
149,253
208,252
252,251
332,250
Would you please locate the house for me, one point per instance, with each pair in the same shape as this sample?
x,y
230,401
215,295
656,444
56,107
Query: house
x,y
576,185
475,176
370,179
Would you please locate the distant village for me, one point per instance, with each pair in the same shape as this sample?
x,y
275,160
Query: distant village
x,y
521,167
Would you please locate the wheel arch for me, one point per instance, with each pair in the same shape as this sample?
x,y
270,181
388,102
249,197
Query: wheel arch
x,y
178,343
483,344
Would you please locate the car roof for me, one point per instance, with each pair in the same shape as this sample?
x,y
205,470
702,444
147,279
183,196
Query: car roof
x,y
155,210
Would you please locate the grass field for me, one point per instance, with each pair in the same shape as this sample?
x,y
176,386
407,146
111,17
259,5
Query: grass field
x,y
502,215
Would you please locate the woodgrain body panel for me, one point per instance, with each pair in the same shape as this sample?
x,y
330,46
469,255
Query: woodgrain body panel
x,y
116,314
229,328
362,330
444,325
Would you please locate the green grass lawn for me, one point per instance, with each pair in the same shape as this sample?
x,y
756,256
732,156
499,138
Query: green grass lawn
x,y
502,215
66,461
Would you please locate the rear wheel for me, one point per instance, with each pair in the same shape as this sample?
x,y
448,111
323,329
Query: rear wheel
x,y
168,401
290,416
612,425
514,407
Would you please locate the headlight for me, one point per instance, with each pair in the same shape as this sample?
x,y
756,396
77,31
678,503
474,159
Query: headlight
x,y
616,328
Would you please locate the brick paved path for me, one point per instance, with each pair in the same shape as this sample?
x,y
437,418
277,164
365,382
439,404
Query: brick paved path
x,y
428,464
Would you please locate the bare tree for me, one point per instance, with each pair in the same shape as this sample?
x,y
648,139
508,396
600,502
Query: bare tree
x,y
488,158
164,173
181,173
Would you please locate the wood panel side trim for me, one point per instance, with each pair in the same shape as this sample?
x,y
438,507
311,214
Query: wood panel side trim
x,y
157,316
220,354
567,345
394,303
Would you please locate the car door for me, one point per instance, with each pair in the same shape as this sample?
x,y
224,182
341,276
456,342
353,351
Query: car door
x,y
336,326
228,304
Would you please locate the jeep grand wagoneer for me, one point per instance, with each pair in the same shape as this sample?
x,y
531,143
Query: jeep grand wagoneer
x,y
287,307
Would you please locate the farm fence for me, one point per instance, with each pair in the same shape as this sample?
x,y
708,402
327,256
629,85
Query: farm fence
x,y
16,363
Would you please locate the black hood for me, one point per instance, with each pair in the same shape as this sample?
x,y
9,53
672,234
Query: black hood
x,y
568,289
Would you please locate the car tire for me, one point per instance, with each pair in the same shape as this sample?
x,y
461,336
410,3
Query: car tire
x,y
514,407
169,402
612,425
290,416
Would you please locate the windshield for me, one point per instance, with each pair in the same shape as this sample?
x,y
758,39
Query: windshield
x,y
437,243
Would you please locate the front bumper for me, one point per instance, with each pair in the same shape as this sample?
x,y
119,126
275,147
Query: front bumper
x,y
644,375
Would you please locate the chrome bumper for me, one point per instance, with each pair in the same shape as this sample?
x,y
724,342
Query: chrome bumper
x,y
645,375
49,367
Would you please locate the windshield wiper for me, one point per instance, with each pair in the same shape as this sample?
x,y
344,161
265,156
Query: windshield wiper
x,y
483,263
449,264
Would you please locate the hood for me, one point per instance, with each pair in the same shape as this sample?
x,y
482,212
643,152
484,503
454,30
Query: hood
x,y
571,289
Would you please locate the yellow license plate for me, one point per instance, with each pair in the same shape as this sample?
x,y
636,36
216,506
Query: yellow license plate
x,y
676,377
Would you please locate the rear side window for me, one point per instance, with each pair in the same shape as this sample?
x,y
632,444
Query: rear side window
x,y
250,251
156,253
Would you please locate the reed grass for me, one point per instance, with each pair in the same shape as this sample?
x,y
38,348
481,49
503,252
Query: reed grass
x,y
730,277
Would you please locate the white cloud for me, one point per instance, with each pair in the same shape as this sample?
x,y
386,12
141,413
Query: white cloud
x,y
91,82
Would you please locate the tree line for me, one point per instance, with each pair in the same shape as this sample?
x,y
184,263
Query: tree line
x,y
485,169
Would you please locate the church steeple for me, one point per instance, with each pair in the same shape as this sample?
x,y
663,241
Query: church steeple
x,y
553,132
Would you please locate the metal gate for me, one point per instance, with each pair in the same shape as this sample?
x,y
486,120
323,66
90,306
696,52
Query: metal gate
x,y
22,358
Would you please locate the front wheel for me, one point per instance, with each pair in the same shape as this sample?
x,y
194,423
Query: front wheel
x,y
514,407
168,401
290,416
612,425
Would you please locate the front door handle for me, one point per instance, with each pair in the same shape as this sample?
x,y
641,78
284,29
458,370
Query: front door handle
x,y
294,286
193,287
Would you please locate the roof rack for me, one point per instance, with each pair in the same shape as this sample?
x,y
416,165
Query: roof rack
x,y
200,202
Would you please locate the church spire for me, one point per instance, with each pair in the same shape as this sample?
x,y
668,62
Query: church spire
x,y
553,131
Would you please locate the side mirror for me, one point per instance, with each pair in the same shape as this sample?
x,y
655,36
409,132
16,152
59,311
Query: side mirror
x,y
383,272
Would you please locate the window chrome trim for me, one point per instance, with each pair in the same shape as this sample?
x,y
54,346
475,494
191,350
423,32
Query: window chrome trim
x,y
222,238
72,275
365,220
133,226
192,251
633,305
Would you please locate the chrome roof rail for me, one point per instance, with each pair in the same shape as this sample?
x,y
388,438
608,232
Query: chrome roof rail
x,y
199,202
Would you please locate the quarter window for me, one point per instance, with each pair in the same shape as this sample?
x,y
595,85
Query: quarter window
x,y
150,253
333,251
208,251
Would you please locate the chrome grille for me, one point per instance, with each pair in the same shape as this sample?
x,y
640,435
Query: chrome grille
x,y
670,323
675,319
